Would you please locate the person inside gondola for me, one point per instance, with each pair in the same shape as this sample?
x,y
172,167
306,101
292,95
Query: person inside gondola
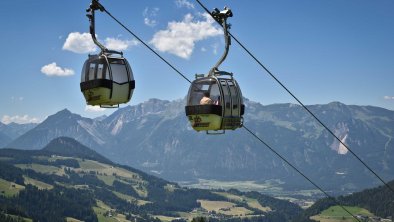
x,y
205,100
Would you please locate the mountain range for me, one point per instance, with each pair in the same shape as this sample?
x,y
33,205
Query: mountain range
x,y
155,137
9,132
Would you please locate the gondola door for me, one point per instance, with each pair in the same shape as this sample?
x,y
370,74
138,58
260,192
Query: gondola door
x,y
235,106
226,98
232,107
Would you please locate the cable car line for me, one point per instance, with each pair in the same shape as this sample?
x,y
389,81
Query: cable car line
x,y
106,79
214,102
298,171
299,101
254,135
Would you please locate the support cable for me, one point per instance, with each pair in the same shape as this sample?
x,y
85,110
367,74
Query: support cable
x,y
139,39
306,108
284,159
298,171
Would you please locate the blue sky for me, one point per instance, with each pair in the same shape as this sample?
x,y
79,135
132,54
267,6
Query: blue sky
x,y
323,51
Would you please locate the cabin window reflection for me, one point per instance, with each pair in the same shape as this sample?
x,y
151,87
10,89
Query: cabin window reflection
x,y
196,93
83,74
106,73
119,71
100,71
215,94
92,68
130,71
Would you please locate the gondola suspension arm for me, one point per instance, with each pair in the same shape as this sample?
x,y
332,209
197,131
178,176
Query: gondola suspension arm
x,y
95,5
221,18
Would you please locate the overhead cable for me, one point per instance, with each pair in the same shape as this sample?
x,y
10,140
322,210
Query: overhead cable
x,y
306,108
298,171
280,156
146,45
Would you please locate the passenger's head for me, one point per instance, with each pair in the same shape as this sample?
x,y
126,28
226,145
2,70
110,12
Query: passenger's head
x,y
206,94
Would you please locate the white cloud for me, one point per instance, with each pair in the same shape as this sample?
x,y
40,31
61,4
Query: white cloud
x,y
389,97
149,16
79,43
118,44
19,119
54,70
94,109
150,22
184,3
180,37
83,43
150,12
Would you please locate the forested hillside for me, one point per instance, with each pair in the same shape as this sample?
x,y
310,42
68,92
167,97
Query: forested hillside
x,y
69,180
379,201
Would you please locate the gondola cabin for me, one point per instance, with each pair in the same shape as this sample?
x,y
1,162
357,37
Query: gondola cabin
x,y
215,103
107,80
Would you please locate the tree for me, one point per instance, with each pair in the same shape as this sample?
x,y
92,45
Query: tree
x,y
198,219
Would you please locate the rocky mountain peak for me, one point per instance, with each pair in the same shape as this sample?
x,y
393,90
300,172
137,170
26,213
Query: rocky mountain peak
x,y
338,106
63,115
153,106
64,112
